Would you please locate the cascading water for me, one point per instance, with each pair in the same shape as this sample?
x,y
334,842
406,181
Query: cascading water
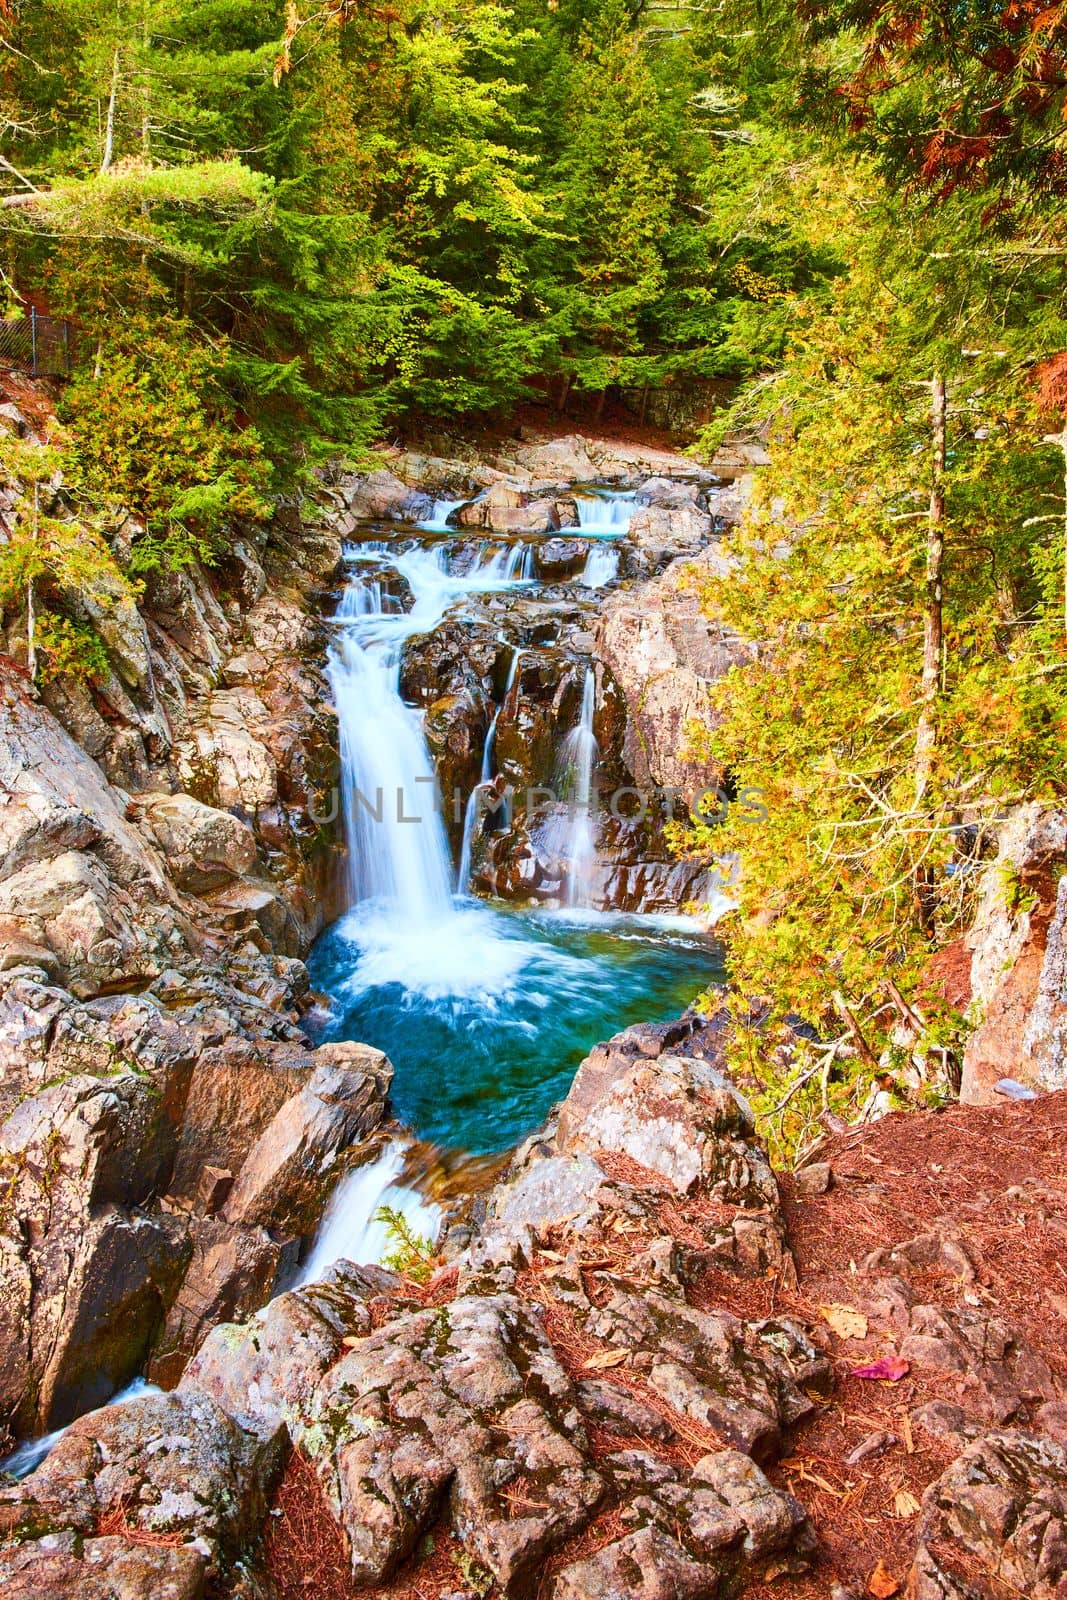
x,y
386,771
601,567
484,1012
577,761
353,1228
603,515
29,1455
438,520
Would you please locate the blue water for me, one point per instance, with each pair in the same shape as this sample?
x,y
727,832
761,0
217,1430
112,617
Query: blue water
x,y
495,1008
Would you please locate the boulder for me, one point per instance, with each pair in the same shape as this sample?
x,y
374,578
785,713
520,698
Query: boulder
x,y
382,495
680,1117
1001,1508
698,1534
65,1567
747,1381
288,1173
664,654
470,1401
264,1373
85,1279
668,494
561,558
204,847
170,1464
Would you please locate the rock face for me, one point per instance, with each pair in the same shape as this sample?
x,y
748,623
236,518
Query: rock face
x,y
469,1406
665,655
111,1128
1019,961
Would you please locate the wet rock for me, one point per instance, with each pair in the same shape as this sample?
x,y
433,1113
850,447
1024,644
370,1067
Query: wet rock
x,y
288,1172
1002,1505
173,1463
561,558
470,1399
60,1567
204,847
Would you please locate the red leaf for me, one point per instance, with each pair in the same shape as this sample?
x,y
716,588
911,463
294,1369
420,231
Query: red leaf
x,y
890,1369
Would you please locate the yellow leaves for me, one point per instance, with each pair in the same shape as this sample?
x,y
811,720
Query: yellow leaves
x,y
844,1321
605,1359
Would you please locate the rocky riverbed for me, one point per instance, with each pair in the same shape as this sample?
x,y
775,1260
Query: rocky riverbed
x,y
601,1388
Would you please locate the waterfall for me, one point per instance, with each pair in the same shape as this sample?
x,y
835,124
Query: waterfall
x,y
438,522
397,848
351,1229
601,567
604,515
27,1457
397,845
578,757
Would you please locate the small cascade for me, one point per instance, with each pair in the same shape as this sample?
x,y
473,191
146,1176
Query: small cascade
x,y
438,520
578,758
601,567
397,848
604,515
352,1229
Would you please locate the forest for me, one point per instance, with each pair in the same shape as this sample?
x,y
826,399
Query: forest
x,y
285,233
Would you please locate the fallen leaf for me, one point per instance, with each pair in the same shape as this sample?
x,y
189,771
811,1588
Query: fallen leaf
x,y
882,1584
905,1503
605,1358
844,1321
551,1255
890,1369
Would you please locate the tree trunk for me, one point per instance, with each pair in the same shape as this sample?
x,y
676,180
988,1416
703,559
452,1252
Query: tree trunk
x,y
933,629
1060,441
109,125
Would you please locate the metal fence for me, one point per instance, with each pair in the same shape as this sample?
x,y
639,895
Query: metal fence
x,y
36,344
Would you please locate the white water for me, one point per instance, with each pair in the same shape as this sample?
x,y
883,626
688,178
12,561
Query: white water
x,y
437,521
573,833
29,1455
352,1230
406,926
601,567
604,515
